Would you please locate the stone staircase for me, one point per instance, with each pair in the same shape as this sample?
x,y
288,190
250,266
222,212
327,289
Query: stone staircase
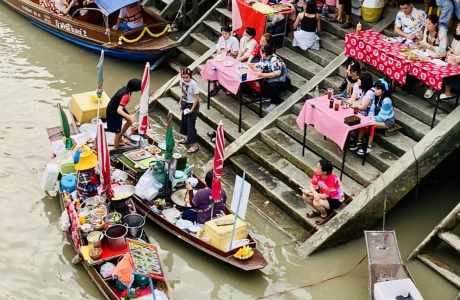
x,y
442,233
273,162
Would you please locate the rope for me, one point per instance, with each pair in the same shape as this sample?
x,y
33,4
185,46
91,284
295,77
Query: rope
x,y
146,29
178,15
312,284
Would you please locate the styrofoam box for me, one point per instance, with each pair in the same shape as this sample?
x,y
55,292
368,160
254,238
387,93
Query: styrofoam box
x,y
389,290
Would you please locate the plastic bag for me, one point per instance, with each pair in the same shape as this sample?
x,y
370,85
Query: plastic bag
x,y
107,269
64,222
148,187
119,176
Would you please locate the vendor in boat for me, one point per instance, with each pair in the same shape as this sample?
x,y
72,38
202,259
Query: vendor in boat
x,y
130,17
116,111
62,7
87,179
202,202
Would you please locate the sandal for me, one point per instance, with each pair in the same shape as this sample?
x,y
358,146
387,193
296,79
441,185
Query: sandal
x,y
428,94
213,92
313,214
213,140
182,142
322,220
192,150
211,134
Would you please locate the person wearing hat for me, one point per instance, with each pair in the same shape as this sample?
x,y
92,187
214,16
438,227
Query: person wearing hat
x,y
87,179
116,111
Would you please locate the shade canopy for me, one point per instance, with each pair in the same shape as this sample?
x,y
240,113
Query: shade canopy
x,y
111,6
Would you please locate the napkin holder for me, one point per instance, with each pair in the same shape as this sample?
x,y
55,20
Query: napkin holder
x,y
352,120
242,75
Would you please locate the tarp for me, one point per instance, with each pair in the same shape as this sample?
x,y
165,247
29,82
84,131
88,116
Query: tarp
x,y
111,6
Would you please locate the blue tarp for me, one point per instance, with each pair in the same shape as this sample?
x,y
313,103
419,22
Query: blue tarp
x,y
111,6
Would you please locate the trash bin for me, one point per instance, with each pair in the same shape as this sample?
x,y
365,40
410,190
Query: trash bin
x,y
371,14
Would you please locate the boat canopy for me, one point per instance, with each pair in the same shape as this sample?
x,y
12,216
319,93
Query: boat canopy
x,y
111,6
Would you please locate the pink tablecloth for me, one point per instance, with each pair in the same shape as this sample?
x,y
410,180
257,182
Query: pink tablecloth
x,y
227,76
328,121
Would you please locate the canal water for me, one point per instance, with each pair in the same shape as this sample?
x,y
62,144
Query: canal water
x,y
38,71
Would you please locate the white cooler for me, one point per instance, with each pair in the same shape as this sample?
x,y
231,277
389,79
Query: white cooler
x,y
389,290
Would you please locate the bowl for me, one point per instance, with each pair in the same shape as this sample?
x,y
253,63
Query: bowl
x,y
114,218
95,253
123,192
85,228
99,212
92,202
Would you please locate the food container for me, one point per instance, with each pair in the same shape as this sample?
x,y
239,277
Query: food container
x,y
116,237
92,202
99,212
123,192
95,239
97,223
67,169
95,253
114,218
68,183
135,223
85,228
82,215
195,229
221,235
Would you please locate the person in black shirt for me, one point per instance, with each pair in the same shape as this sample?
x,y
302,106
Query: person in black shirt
x,y
116,111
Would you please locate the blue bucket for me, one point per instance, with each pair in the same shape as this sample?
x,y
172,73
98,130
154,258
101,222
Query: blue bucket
x,y
68,183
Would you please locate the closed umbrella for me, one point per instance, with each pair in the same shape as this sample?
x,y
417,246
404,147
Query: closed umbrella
x,y
100,81
103,158
169,137
65,127
218,163
144,104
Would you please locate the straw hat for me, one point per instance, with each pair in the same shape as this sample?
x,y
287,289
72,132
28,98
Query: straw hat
x,y
88,159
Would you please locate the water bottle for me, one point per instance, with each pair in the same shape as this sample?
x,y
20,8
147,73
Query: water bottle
x,y
324,11
316,92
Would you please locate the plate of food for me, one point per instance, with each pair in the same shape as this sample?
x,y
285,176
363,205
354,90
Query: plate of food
x,y
177,155
137,154
345,105
153,149
228,63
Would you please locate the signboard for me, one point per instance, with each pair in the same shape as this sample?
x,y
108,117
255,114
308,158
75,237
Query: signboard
x,y
145,259
244,197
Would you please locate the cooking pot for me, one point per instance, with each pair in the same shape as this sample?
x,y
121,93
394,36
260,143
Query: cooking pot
x,y
124,191
95,239
135,223
116,237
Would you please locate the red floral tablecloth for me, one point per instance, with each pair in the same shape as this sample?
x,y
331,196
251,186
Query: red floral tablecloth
x,y
432,74
372,47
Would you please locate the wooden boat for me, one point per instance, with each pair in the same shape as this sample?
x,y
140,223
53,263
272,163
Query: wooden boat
x,y
384,259
106,286
94,30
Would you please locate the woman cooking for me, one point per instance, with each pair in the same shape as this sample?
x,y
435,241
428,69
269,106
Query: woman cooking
x,y
202,202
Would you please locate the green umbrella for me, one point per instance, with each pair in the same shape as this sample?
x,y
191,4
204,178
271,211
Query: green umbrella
x,y
169,137
65,127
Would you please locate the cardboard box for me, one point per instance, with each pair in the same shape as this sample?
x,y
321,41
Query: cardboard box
x,y
84,109
220,235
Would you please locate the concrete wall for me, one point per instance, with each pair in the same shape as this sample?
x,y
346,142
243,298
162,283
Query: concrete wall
x,y
367,208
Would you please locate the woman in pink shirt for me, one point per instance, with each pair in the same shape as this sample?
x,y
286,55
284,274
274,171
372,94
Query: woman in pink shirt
x,y
325,192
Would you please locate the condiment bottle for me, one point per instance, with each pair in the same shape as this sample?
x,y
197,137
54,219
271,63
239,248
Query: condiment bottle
x,y
77,204
316,92
358,29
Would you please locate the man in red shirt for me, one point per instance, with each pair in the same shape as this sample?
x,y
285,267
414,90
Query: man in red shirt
x,y
116,111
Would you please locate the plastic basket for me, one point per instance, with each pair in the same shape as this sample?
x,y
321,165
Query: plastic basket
x,y
371,14
67,169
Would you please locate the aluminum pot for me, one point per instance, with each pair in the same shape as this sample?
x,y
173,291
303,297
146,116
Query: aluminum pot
x,y
135,223
95,239
116,237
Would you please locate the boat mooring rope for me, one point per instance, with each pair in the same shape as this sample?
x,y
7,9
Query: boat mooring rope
x,y
146,29
312,284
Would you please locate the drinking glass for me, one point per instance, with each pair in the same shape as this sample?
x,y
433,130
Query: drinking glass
x,y
330,92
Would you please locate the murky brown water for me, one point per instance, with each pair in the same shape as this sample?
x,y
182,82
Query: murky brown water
x,y
37,71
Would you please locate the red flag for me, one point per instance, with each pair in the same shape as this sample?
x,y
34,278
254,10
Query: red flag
x,y
244,16
218,163
144,102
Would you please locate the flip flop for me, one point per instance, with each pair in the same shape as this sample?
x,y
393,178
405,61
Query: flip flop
x,y
211,134
313,214
322,220
213,140
428,94
192,150
182,142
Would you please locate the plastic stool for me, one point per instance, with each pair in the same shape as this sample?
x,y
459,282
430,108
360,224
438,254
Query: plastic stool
x,y
176,181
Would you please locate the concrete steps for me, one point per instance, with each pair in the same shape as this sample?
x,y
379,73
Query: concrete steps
x,y
291,150
198,37
451,238
274,189
441,268
329,150
322,57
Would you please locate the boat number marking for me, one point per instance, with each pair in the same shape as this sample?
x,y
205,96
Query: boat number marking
x,y
70,28
31,11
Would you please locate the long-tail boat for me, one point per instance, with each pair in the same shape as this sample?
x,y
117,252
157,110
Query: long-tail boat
x,y
93,30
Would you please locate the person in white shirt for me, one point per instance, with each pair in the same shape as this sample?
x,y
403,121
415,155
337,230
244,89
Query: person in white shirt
x,y
227,43
130,17
247,44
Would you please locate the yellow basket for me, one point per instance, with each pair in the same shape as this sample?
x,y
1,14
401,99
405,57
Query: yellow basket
x,y
371,14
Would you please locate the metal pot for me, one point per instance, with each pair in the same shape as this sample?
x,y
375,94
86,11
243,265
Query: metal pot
x,y
95,239
116,237
135,224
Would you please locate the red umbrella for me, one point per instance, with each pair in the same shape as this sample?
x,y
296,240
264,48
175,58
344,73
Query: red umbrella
x,y
103,158
144,103
218,163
